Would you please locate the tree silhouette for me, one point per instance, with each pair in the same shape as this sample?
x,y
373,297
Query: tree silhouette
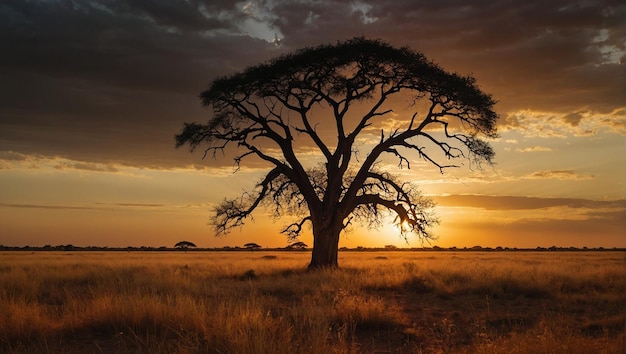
x,y
330,99
252,246
297,246
184,245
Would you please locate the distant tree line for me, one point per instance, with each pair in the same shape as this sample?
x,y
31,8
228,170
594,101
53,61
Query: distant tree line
x,y
301,246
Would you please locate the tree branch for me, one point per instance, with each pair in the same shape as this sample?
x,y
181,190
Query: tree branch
x,y
232,213
293,230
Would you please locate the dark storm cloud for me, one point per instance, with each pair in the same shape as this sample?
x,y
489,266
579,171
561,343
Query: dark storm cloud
x,y
114,80
151,45
559,57
550,55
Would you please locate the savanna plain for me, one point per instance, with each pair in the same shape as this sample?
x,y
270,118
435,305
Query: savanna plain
x,y
266,302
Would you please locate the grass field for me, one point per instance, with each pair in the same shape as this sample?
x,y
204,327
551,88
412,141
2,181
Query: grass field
x,y
266,302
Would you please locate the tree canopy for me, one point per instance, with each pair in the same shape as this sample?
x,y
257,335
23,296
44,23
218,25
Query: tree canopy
x,y
185,244
252,246
329,102
297,246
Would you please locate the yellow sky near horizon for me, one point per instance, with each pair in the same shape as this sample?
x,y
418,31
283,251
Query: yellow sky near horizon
x,y
512,204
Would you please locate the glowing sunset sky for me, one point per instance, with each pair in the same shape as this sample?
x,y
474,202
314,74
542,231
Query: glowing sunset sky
x,y
93,93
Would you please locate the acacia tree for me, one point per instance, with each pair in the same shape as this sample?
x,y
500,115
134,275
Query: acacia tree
x,y
327,99
252,246
184,245
297,246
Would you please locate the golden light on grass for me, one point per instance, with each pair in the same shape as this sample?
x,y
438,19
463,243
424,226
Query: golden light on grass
x,y
264,302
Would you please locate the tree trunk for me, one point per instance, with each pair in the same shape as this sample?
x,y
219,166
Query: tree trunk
x,y
325,244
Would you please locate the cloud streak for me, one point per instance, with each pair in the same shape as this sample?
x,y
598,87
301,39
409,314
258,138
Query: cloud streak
x,y
100,206
48,206
525,203
534,149
558,174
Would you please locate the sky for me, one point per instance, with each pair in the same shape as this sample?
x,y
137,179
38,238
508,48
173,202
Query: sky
x,y
93,93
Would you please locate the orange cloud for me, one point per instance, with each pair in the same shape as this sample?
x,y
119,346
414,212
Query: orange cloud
x,y
86,166
545,124
533,149
519,203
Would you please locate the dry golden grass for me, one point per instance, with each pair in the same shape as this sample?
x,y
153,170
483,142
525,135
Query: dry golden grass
x,y
262,302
